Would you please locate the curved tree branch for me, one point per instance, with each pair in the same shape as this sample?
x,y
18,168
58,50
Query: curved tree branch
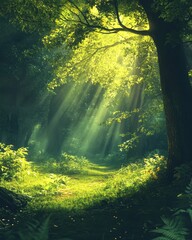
x,y
84,17
122,27
139,32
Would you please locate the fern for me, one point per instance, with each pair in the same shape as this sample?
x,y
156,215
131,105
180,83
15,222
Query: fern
x,y
189,211
172,229
161,238
188,191
36,232
189,188
175,228
33,231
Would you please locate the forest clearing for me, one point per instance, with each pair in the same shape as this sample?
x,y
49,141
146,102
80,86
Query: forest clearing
x,y
84,200
95,120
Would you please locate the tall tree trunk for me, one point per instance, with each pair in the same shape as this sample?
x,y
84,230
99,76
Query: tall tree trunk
x,y
176,88
177,98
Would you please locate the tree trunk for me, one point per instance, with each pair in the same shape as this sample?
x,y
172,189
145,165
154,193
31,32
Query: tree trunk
x,y
175,85
177,98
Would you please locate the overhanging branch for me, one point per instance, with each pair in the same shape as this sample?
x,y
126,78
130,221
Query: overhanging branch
x,y
83,20
139,32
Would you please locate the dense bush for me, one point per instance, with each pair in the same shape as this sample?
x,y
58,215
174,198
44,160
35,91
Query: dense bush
x,y
154,165
133,177
12,162
67,164
72,164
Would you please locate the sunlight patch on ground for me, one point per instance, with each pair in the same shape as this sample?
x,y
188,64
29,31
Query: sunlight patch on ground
x,y
94,185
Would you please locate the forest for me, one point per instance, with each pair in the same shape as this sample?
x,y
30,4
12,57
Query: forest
x,y
96,120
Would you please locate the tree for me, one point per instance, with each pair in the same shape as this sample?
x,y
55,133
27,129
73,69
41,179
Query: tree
x,y
166,30
120,69
24,75
167,23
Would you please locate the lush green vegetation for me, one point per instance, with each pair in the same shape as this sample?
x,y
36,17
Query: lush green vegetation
x,y
95,120
78,199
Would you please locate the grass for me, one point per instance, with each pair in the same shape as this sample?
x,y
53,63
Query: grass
x,y
81,191
97,203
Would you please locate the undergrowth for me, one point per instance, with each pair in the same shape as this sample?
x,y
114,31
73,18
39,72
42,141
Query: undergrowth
x,y
74,185
67,164
13,163
178,226
32,230
50,190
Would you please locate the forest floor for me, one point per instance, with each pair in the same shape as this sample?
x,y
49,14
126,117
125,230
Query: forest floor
x,y
99,203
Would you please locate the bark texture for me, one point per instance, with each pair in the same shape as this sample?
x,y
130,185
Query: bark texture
x,y
175,85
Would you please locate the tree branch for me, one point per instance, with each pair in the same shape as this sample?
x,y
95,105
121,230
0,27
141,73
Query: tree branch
x,y
139,32
122,27
85,18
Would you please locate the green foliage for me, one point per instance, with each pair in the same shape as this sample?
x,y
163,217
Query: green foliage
x,y
37,184
126,59
126,181
72,164
174,10
29,14
135,176
179,225
154,165
190,73
121,68
189,189
131,143
99,188
147,124
67,164
150,123
173,229
34,230
26,71
49,186
12,162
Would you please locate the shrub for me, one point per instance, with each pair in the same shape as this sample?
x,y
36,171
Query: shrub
x,y
12,162
154,165
50,185
72,164
67,164
132,178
